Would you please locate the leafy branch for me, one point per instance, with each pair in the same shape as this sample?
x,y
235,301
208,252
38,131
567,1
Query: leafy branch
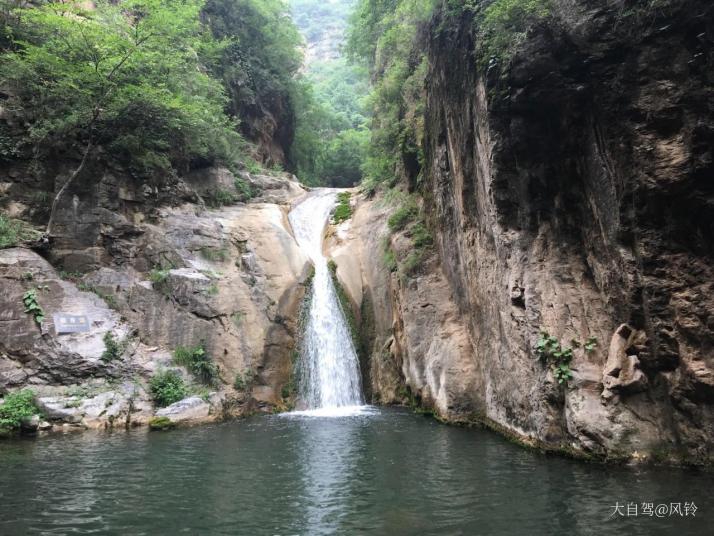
x,y
550,351
29,299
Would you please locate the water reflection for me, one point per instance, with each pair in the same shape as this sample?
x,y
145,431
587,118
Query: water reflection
x,y
386,473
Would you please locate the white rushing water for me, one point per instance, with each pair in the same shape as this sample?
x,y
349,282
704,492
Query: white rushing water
x,y
329,369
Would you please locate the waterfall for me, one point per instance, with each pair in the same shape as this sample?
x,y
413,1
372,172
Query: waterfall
x,y
328,369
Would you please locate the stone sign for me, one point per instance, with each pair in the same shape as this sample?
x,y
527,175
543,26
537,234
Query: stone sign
x,y
65,323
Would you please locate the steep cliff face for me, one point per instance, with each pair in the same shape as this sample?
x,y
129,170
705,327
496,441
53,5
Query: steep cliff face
x,y
573,195
569,195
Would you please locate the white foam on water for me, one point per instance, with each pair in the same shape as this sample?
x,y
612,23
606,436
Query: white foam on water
x,y
342,411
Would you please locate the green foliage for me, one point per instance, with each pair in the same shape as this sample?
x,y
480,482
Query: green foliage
x,y
390,259
383,35
167,387
129,76
237,318
403,216
289,389
345,303
161,423
331,137
317,19
550,351
17,407
221,198
262,53
253,167
13,232
343,211
215,255
505,22
113,349
330,144
245,380
421,235
29,299
159,276
212,290
413,262
590,344
245,192
198,362
109,299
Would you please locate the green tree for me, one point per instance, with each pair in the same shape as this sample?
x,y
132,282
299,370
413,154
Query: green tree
x,y
384,36
258,65
126,75
331,101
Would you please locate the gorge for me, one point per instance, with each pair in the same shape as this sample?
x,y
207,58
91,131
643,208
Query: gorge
x,y
434,267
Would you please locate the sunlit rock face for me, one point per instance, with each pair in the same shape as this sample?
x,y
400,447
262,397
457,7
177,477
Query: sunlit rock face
x,y
569,195
156,278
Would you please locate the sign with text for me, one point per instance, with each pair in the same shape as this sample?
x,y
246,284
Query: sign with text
x,y
65,323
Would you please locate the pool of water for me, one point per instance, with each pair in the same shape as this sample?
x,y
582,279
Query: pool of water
x,y
383,471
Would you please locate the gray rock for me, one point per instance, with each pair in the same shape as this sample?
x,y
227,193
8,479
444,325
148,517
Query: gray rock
x,y
192,409
30,424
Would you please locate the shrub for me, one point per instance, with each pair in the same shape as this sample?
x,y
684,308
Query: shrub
x,y
11,232
113,349
413,262
198,362
245,380
223,197
421,236
245,192
403,216
17,407
167,387
390,260
343,211
505,23
158,276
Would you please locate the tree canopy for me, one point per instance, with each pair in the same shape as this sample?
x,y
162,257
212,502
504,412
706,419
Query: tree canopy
x,y
131,76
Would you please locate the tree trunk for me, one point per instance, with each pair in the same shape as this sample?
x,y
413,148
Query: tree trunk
x,y
69,181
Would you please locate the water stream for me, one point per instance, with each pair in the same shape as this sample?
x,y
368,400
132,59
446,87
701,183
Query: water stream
x,y
329,374
375,471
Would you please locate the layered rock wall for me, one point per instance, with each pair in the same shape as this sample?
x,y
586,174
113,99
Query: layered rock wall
x,y
569,194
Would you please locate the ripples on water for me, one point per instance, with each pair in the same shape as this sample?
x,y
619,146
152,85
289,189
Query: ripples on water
x,y
374,472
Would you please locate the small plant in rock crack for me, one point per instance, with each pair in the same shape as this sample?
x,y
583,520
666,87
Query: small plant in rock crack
x,y
113,349
29,299
245,381
590,344
199,363
550,351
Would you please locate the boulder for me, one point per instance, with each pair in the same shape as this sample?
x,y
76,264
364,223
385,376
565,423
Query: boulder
x,y
189,410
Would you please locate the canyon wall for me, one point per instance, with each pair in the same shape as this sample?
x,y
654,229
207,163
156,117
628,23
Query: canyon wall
x,y
570,194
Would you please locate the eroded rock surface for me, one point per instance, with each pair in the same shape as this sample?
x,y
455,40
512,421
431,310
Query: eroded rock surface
x,y
229,279
570,195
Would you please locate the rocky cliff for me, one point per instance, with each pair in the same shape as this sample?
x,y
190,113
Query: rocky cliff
x,y
155,277
570,198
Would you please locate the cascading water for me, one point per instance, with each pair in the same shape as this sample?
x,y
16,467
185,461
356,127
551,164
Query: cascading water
x,y
329,368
